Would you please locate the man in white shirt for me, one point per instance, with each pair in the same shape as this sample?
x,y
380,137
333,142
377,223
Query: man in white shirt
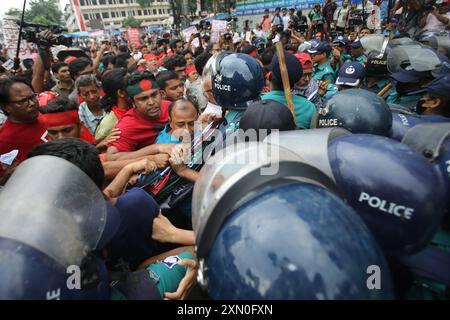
x,y
285,18
276,20
341,16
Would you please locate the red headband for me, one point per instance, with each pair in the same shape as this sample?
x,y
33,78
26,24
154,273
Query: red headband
x,y
60,118
254,53
190,69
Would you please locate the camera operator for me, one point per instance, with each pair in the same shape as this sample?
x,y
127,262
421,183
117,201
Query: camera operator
x,y
41,68
438,18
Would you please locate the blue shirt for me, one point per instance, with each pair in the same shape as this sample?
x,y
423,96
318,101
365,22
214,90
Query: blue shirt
x,y
165,137
90,120
303,108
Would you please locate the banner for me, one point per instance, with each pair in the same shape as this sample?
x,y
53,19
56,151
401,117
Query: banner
x,y
99,34
133,37
187,35
11,35
218,27
374,20
249,7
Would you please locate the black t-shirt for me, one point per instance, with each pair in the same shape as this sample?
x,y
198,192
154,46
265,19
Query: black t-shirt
x,y
302,20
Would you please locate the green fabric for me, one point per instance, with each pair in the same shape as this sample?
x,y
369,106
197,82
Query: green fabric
x,y
323,72
303,108
345,58
61,91
332,89
169,277
106,125
137,88
233,119
407,101
361,58
117,295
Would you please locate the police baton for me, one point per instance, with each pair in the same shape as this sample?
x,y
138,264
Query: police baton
x,y
383,91
285,78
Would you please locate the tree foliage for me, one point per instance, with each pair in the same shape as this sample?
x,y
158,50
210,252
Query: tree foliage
x,y
131,22
44,11
14,12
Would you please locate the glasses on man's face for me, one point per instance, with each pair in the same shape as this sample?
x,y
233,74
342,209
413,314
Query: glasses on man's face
x,y
25,102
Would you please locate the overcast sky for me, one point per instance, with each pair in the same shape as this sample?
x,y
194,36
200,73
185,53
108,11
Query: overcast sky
x,y
5,5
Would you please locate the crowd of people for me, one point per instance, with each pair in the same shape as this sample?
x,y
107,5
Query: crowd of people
x,y
128,121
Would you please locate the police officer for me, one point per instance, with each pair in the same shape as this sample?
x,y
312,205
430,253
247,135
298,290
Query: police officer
x,y
357,52
237,80
339,54
376,73
322,69
411,67
357,110
247,249
434,101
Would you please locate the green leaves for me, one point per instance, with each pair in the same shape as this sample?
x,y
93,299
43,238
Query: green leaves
x,y
131,22
44,11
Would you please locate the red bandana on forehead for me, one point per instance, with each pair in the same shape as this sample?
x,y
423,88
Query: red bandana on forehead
x,y
141,86
60,118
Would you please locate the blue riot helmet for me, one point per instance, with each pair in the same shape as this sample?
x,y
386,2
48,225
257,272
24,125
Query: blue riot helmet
x,y
408,63
396,191
237,79
424,37
357,110
392,188
260,44
402,122
311,145
54,218
283,234
432,140
404,41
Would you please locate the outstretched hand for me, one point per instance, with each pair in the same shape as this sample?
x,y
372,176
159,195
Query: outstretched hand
x,y
187,283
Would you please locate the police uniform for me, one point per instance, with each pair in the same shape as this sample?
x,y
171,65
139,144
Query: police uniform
x,y
406,101
362,58
377,86
323,72
345,58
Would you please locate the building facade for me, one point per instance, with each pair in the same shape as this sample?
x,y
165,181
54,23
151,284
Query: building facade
x,y
70,18
109,14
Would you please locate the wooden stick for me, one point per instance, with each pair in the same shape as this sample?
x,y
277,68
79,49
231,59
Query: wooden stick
x,y
285,78
385,90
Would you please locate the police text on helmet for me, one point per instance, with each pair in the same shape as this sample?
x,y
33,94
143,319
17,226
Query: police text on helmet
x,y
385,206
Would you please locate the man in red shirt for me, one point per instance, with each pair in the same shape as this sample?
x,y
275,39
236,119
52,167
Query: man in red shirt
x,y
23,130
141,125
